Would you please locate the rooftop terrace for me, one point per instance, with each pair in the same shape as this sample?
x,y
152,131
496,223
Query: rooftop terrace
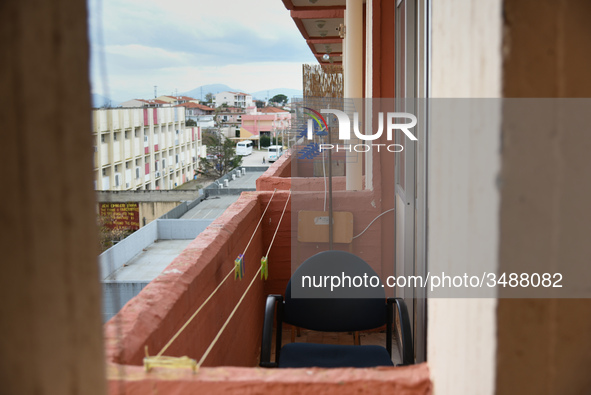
x,y
127,267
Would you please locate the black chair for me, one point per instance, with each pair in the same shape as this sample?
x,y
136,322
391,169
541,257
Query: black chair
x,y
345,308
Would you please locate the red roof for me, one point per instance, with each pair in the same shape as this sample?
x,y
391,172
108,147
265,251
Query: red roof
x,y
271,109
153,101
240,93
180,97
195,105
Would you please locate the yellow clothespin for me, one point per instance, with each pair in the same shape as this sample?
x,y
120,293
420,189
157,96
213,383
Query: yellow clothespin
x,y
239,267
264,268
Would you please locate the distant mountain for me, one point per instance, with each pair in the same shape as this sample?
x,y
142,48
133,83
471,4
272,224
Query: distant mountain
x,y
211,88
102,101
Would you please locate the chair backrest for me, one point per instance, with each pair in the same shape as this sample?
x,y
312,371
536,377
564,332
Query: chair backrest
x,y
314,301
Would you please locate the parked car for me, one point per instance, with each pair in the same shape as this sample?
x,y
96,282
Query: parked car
x,y
213,156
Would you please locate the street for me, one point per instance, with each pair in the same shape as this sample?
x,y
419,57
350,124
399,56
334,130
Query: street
x,y
256,158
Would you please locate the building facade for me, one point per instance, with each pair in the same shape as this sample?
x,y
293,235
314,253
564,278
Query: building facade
x,y
143,148
201,114
145,103
233,99
228,119
176,100
267,121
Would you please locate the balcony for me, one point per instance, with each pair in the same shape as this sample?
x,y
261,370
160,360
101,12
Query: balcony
x,y
163,306
506,195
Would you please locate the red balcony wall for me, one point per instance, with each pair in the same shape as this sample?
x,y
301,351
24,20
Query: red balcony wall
x,y
280,254
309,195
278,176
164,305
365,207
305,168
410,380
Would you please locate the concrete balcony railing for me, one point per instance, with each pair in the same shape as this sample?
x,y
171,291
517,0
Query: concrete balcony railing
x,y
163,306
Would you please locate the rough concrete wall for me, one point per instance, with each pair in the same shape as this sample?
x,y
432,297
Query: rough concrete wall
x,y
50,336
544,344
463,199
410,380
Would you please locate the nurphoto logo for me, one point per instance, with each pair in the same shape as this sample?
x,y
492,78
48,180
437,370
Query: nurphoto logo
x,y
391,119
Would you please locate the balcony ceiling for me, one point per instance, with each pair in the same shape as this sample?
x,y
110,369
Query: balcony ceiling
x,y
318,3
318,21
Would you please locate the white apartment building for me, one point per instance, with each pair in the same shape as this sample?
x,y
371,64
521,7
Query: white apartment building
x,y
146,103
143,148
233,99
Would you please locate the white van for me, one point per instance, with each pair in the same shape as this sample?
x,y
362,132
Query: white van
x,y
244,147
274,152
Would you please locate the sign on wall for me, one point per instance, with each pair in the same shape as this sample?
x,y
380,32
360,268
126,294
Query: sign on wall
x,y
121,215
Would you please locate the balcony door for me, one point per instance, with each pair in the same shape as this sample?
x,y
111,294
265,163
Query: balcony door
x,y
411,70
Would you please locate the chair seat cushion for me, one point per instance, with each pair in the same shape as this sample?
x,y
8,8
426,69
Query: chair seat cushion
x,y
301,355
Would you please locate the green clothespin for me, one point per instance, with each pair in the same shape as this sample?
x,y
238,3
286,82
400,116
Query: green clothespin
x,y
239,267
264,268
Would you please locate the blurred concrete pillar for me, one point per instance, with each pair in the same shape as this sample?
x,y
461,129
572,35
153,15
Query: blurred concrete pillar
x,y
353,87
50,331
544,344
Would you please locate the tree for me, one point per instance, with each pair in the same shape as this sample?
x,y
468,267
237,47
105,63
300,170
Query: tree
x,y
191,122
221,156
259,103
265,141
279,99
209,97
108,235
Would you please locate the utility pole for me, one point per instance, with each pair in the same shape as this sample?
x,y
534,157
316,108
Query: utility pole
x,y
155,91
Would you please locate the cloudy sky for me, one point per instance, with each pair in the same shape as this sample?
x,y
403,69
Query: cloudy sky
x,y
182,44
